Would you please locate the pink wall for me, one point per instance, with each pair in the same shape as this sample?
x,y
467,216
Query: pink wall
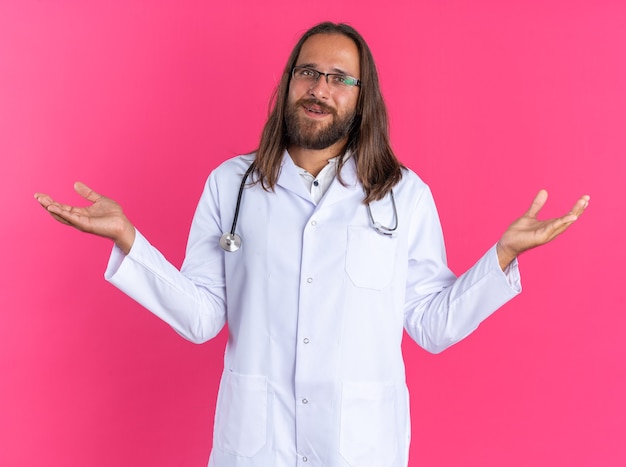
x,y
489,102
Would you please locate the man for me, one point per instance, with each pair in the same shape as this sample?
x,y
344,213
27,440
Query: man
x,y
332,248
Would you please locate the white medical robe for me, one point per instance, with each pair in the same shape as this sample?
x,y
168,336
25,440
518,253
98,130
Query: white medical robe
x,y
316,302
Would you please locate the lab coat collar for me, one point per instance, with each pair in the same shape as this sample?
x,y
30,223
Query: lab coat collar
x,y
289,178
338,191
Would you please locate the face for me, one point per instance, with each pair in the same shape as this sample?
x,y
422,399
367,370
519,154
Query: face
x,y
319,115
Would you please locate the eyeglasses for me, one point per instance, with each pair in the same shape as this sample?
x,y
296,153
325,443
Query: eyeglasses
x,y
311,76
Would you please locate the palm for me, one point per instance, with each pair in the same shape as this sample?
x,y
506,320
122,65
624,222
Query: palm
x,y
529,232
104,217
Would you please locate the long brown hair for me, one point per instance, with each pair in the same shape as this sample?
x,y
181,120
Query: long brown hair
x,y
378,169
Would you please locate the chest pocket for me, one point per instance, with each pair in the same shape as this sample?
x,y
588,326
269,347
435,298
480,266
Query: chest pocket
x,y
370,257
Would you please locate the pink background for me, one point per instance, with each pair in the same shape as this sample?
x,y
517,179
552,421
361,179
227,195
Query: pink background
x,y
489,101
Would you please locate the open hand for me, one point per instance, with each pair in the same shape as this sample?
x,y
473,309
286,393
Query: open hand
x,y
529,232
104,217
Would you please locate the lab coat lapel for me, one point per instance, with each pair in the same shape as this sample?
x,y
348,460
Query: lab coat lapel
x,y
337,191
289,178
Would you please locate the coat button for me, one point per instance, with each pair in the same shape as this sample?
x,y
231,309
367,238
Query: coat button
x,y
306,340
309,279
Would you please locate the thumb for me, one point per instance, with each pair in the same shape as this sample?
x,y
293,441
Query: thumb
x,y
86,192
537,203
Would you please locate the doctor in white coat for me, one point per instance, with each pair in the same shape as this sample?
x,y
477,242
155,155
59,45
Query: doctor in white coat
x,y
327,252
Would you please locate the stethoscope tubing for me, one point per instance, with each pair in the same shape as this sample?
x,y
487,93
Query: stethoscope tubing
x,y
231,242
239,196
381,229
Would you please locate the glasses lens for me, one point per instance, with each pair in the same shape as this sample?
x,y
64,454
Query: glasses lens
x,y
343,80
305,74
333,79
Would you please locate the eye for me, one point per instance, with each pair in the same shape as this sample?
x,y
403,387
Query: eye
x,y
306,73
344,80
340,79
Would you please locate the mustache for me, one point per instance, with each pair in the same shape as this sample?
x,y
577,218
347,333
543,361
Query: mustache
x,y
316,102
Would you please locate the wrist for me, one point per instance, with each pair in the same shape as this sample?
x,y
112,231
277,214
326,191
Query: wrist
x,y
124,241
505,255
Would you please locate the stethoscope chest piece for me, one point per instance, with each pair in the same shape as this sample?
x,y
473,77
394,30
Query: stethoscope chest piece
x,y
230,241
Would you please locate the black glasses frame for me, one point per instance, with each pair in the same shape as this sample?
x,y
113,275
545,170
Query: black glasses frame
x,y
344,80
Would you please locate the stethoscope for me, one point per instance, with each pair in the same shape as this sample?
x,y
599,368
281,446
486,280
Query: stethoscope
x,y
230,241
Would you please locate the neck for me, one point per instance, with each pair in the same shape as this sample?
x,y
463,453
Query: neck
x,y
314,160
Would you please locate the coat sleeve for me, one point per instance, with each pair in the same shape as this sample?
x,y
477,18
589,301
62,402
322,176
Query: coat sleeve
x,y
191,300
441,309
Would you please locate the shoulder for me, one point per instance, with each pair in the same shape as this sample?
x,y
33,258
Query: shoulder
x,y
230,171
410,184
227,176
413,196
234,167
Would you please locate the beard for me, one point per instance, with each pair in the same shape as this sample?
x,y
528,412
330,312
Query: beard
x,y
308,134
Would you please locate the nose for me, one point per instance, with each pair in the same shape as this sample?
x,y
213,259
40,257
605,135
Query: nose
x,y
320,88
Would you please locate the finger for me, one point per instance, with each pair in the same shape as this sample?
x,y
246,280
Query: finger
x,y
56,206
53,207
86,192
43,199
557,226
46,202
60,219
537,203
577,210
59,209
580,206
560,225
69,215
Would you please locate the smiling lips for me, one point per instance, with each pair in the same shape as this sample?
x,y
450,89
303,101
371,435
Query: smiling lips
x,y
315,107
321,112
